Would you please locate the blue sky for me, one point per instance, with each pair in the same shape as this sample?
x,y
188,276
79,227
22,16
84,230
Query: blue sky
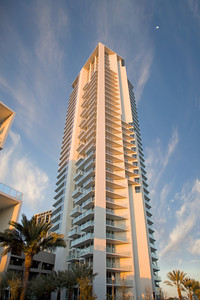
x,y
43,46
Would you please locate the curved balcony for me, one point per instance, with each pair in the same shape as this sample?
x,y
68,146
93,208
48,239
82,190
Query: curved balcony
x,y
85,177
114,183
76,212
113,253
84,217
120,283
84,196
82,240
155,266
115,215
115,226
111,193
117,267
74,233
114,239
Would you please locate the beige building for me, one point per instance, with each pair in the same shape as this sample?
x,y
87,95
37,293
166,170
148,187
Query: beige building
x,y
102,204
43,217
6,119
10,199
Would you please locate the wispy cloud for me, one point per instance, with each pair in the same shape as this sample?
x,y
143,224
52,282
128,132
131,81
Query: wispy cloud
x,y
39,69
157,159
117,22
21,173
187,221
195,8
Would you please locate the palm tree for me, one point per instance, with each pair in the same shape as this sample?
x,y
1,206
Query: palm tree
x,y
196,288
41,287
176,278
84,277
188,284
29,237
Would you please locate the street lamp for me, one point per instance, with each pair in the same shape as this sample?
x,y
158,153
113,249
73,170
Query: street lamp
x,y
113,279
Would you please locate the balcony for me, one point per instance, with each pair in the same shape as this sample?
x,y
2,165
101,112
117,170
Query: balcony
x,y
155,267
76,211
74,233
118,267
115,226
85,195
157,278
117,282
111,193
154,256
82,240
88,203
85,176
113,253
114,239
78,191
10,192
87,215
115,215
87,225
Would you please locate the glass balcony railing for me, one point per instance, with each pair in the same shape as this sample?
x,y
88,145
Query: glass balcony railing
x,y
82,239
10,191
118,266
119,282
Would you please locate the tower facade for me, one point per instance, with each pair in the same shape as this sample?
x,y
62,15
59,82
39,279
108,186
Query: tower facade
x,y
101,204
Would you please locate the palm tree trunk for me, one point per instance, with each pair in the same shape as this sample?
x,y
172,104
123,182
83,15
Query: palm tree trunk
x,y
58,294
179,293
28,263
190,295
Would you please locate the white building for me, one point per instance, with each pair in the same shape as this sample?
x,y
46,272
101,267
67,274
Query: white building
x,y
101,204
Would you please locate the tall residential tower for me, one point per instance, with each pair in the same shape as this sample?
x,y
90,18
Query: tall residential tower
x,y
101,204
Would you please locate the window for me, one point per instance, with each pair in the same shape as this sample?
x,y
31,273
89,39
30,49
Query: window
x,y
137,189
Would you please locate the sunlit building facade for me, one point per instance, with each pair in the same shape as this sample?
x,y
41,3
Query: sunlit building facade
x,y
102,204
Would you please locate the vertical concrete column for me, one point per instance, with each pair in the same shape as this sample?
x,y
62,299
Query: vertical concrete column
x,y
99,257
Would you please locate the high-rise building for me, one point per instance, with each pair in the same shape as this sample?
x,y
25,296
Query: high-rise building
x,y
102,204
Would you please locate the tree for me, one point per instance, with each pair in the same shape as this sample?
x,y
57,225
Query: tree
x,y
59,278
41,287
30,238
188,284
11,280
84,277
176,278
196,288
125,291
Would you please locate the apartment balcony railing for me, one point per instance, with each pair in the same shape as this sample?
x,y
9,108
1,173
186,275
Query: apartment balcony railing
x,y
87,203
84,195
83,217
111,265
118,282
87,225
116,226
76,211
115,193
117,238
85,176
75,232
154,256
155,267
80,241
117,253
116,215
77,192
10,191
157,278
